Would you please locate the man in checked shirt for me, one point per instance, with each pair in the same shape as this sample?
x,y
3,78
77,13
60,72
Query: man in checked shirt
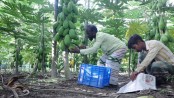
x,y
155,58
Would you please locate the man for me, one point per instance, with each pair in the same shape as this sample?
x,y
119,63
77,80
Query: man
x,y
156,59
113,48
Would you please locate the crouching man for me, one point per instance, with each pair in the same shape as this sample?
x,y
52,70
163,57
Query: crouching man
x,y
155,58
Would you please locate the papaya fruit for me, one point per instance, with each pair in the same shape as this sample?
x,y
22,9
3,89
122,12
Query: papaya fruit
x,y
74,19
67,40
71,25
65,24
152,33
154,18
162,23
57,37
157,36
70,16
70,6
62,45
75,10
61,29
65,10
61,16
76,42
164,38
72,33
72,46
169,36
40,50
65,32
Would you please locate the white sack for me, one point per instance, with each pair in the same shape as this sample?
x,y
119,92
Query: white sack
x,y
142,82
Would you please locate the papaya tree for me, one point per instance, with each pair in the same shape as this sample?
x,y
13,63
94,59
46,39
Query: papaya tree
x,y
19,20
113,16
66,31
54,43
158,21
10,25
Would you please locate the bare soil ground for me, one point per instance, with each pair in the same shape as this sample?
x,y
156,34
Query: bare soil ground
x,y
61,88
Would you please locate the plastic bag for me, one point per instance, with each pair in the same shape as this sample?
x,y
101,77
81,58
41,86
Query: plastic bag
x,y
142,82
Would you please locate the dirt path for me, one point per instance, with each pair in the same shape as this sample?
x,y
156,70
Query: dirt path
x,y
71,89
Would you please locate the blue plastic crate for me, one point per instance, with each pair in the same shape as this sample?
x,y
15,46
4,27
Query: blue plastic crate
x,y
92,75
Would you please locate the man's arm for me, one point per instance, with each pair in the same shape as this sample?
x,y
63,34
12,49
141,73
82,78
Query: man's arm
x,y
92,49
141,56
99,40
149,57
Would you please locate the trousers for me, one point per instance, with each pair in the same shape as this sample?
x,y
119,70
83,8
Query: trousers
x,y
160,69
113,61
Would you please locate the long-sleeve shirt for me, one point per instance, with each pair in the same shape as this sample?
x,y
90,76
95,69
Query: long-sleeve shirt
x,y
158,51
108,43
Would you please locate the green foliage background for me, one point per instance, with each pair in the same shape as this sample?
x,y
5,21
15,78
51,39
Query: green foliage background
x,y
24,19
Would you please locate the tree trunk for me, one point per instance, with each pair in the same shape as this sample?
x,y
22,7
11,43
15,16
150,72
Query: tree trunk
x,y
85,58
54,44
54,60
66,65
17,56
43,47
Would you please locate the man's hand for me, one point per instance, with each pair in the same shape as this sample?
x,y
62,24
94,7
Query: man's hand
x,y
74,50
82,47
134,75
